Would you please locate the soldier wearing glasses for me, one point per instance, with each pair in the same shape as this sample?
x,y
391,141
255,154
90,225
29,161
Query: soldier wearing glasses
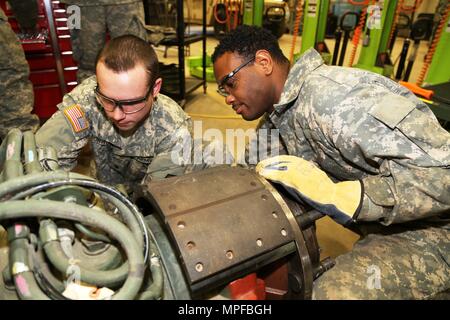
x,y
132,128
361,149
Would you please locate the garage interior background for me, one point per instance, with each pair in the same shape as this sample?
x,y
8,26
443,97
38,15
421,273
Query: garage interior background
x,y
209,107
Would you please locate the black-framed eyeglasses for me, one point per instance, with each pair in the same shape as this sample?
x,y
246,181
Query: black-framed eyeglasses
x,y
126,106
221,88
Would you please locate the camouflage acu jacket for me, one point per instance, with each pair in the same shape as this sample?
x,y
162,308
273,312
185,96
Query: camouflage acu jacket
x,y
118,159
359,125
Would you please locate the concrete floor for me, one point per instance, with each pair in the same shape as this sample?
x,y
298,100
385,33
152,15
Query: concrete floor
x,y
211,110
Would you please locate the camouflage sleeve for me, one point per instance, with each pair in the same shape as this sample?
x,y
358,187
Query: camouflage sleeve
x,y
172,137
166,162
70,128
181,153
57,133
409,146
264,144
178,151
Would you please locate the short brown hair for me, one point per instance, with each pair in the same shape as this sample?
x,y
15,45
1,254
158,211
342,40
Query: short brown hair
x,y
125,52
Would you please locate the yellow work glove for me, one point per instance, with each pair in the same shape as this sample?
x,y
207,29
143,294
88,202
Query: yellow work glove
x,y
305,181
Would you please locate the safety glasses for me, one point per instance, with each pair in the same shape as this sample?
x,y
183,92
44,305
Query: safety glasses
x,y
126,106
221,88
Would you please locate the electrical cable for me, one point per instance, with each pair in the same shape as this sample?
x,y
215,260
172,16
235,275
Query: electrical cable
x,y
359,29
298,18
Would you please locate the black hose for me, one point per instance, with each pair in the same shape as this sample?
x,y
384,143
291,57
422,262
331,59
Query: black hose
x,y
30,155
338,36
403,55
344,47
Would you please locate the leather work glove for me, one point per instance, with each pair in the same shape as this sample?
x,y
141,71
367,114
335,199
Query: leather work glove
x,y
306,182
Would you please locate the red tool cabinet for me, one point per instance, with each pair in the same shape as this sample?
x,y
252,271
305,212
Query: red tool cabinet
x,y
52,69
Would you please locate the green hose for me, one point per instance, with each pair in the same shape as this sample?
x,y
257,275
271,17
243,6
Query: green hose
x,y
26,286
127,209
128,217
13,186
12,163
35,184
70,211
42,267
19,266
29,149
52,247
105,278
34,179
92,234
155,290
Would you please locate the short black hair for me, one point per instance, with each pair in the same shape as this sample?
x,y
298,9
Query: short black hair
x,y
125,52
247,40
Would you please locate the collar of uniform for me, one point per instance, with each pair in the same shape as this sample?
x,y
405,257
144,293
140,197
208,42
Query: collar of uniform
x,y
308,62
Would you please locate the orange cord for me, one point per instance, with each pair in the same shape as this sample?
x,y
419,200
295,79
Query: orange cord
x,y
359,29
432,49
359,3
232,12
227,5
357,35
236,12
298,16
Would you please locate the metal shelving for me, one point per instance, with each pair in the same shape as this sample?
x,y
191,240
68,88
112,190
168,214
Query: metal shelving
x,y
185,86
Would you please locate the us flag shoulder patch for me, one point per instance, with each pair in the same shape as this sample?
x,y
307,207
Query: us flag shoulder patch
x,y
77,118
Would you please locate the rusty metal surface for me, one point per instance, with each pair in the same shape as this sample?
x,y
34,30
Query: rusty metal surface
x,y
220,218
